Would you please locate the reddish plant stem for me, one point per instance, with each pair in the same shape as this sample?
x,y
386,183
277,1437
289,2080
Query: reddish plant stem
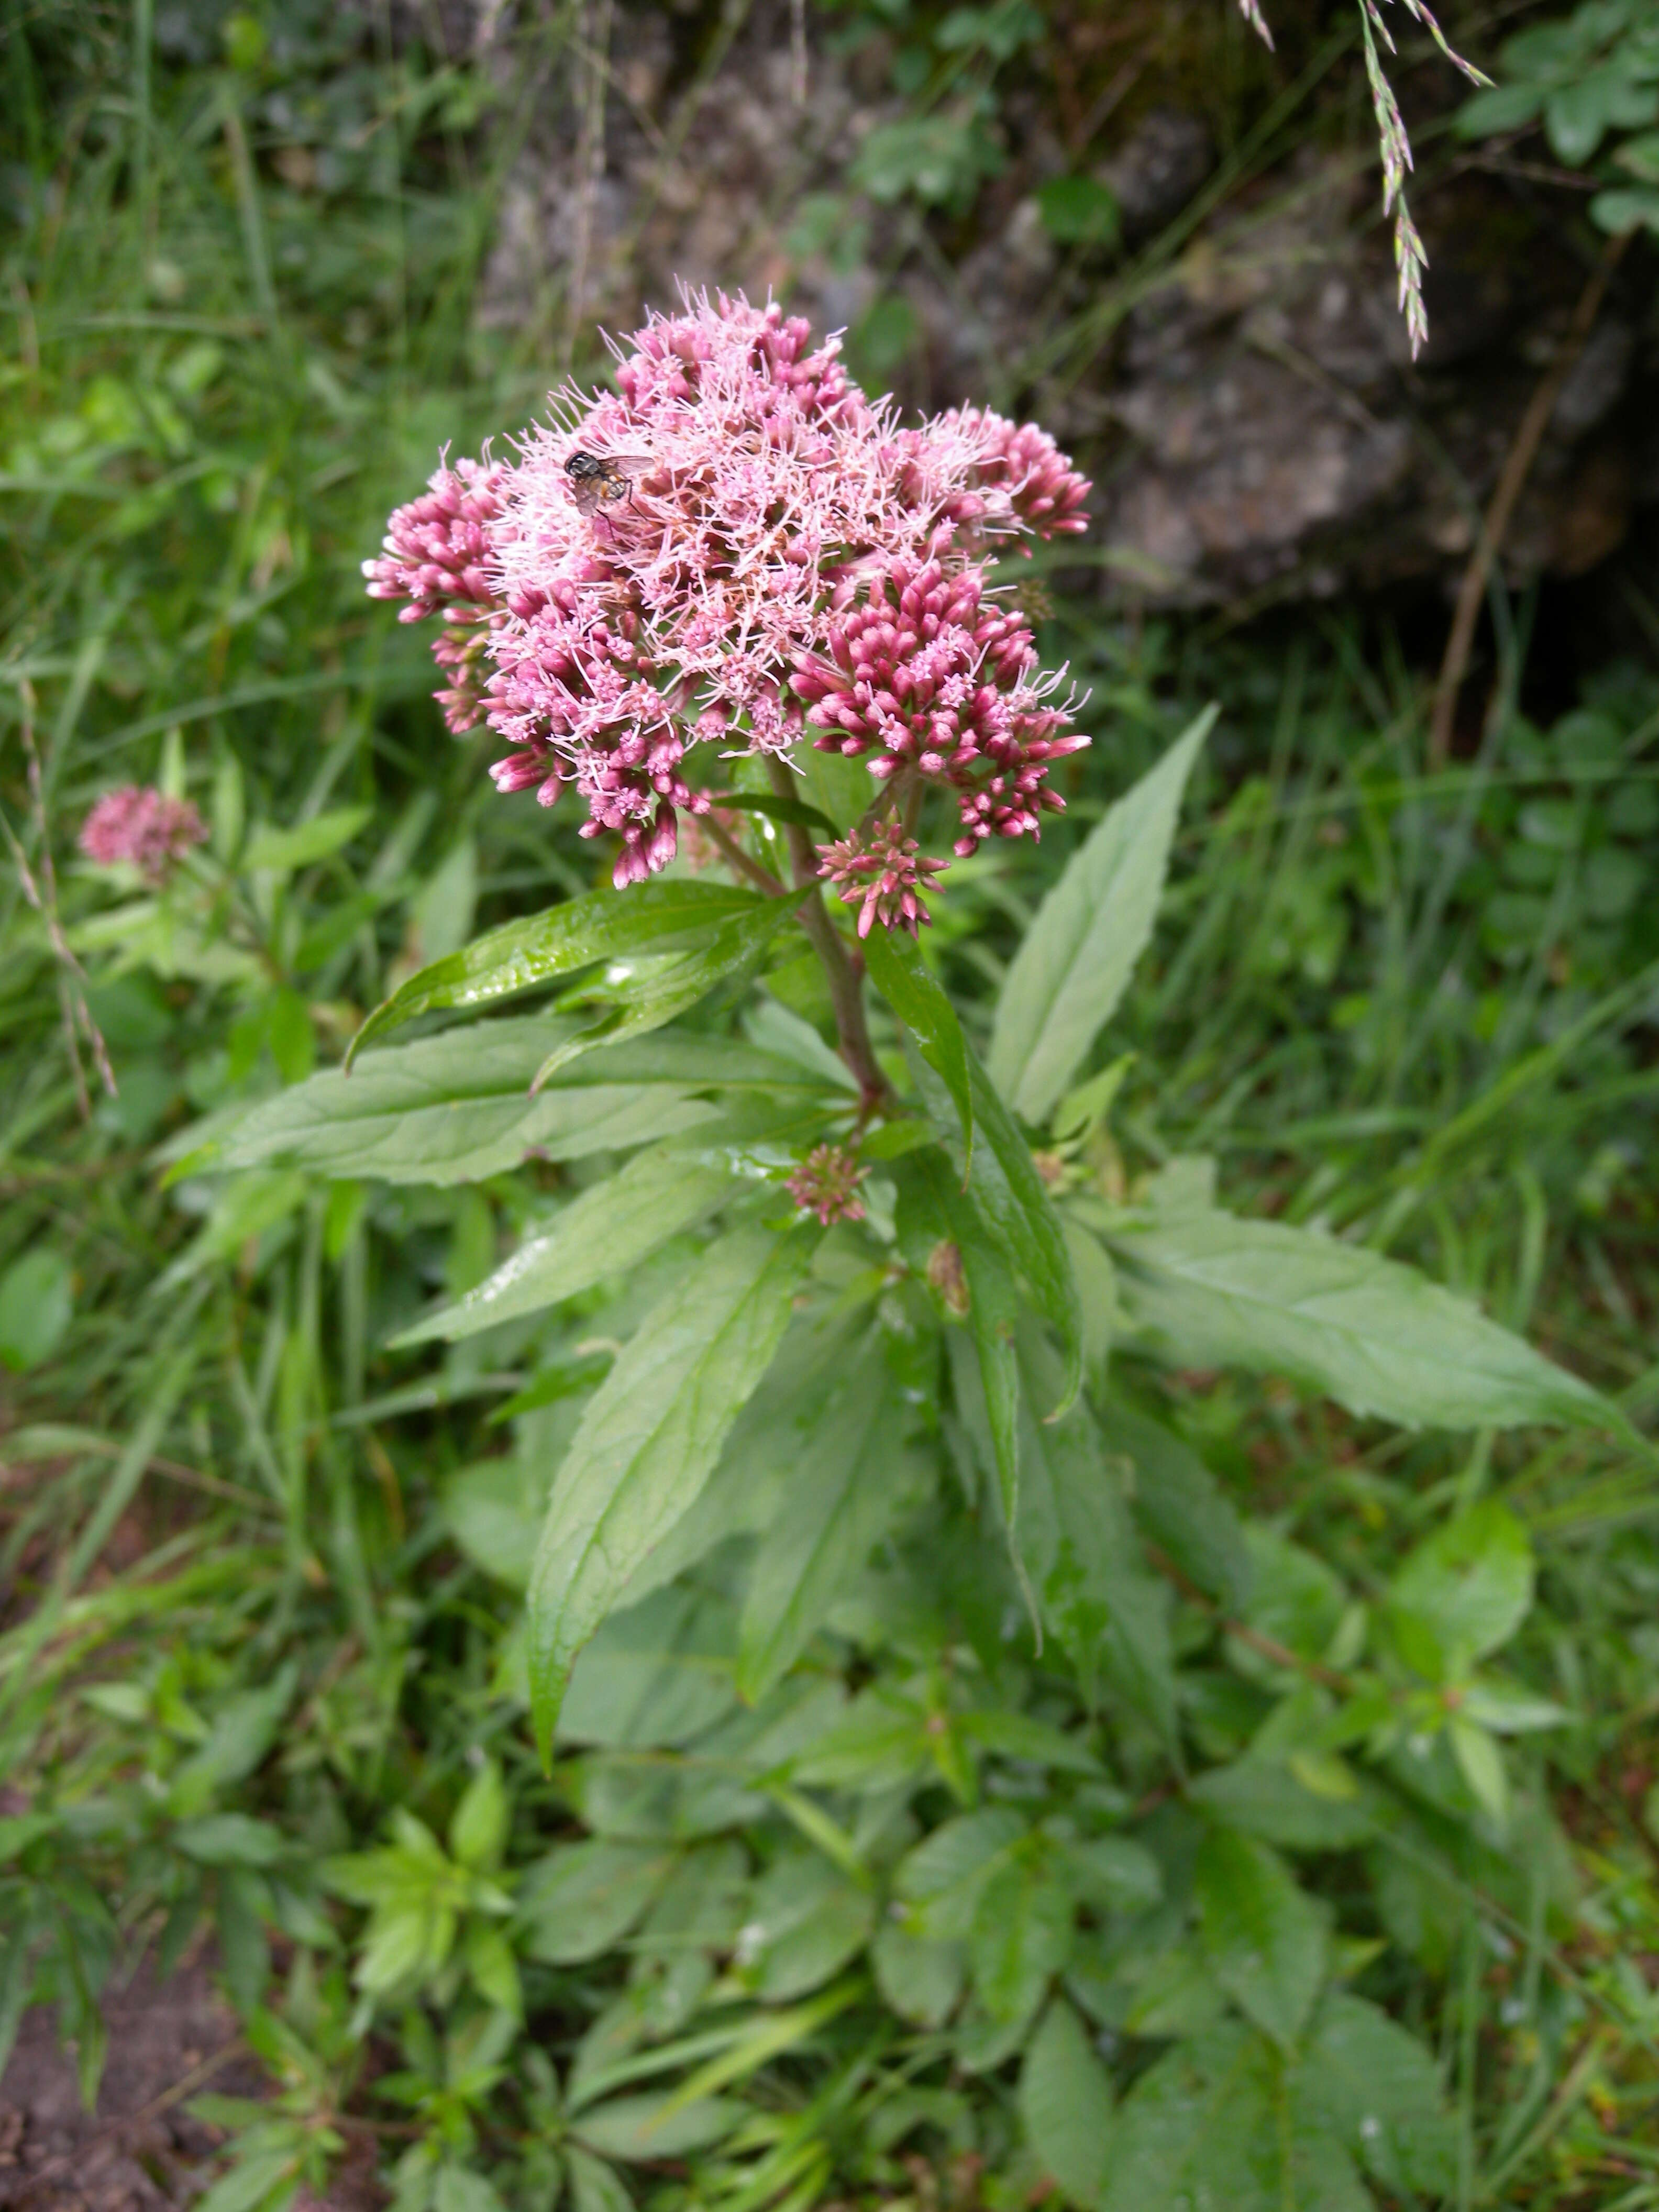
x,y
845,981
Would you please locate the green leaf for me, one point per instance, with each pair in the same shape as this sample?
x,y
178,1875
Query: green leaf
x,y
933,1211
777,809
1501,108
1267,1798
230,1839
1076,959
283,850
1266,1939
251,2182
916,996
1017,1215
595,2186
457,1108
843,1494
649,1440
37,1297
1066,2102
1022,1934
920,1978
651,2127
1083,1556
1213,1291
1469,1586
804,1921
1180,1504
1208,2128
478,1831
1377,2089
645,991
607,1230
1079,211
942,1878
584,1898
538,949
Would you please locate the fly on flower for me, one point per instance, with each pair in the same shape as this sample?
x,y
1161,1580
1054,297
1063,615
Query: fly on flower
x,y
598,480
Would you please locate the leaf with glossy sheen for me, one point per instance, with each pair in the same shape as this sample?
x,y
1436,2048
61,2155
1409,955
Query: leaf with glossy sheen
x,y
536,948
1267,1941
1214,1290
917,997
1073,966
620,1221
1066,2102
455,1108
649,1440
642,993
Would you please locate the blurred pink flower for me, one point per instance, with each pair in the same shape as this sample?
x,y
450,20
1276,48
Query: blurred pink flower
x,y
138,822
885,871
759,537
826,1183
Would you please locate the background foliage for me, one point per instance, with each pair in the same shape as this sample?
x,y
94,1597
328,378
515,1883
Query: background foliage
x,y
1334,1873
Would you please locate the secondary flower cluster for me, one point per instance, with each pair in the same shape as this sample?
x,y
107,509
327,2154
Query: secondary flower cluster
x,y
139,823
748,552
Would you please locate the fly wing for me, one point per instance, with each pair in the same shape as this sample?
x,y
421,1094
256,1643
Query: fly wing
x,y
586,493
631,464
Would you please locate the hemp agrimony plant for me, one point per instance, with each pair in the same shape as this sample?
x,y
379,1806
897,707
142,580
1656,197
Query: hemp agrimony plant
x,y
848,1531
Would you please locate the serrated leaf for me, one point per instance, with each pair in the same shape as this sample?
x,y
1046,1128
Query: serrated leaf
x,y
1082,1555
608,1229
842,1495
1066,2102
1018,1216
1075,961
1266,1941
916,996
1180,1504
456,1108
648,1442
1214,1290
538,949
1022,1933
1375,2087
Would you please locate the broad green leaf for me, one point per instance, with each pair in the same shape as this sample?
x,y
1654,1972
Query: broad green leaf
x,y
1066,2102
282,850
842,1495
1114,1872
649,1440
583,1898
1180,1504
594,2185
1267,1798
645,991
456,1108
37,1297
1082,1553
1213,1290
657,1674
479,1827
611,1226
537,949
1076,959
916,996
1469,1586
1022,1934
941,1879
1266,1939
920,1977
1376,2088
1209,2128
805,1920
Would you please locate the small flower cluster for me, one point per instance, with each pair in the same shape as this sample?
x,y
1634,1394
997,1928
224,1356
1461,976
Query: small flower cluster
x,y
827,1183
139,824
770,550
884,874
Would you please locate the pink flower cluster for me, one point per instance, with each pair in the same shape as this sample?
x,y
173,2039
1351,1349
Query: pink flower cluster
x,y
139,824
765,548
884,874
827,1183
